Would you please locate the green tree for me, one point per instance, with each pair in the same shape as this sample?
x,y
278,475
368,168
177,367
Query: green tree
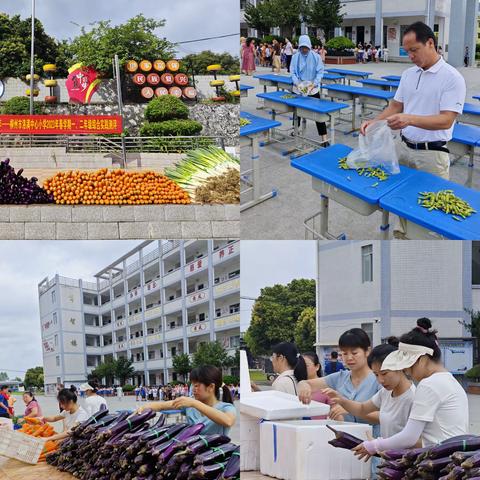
x,y
287,14
259,17
15,35
3,376
324,14
305,330
182,365
34,377
133,40
210,353
473,327
199,62
123,369
276,312
104,370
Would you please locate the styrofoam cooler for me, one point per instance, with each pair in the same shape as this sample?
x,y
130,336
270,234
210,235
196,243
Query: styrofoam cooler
x,y
299,449
249,447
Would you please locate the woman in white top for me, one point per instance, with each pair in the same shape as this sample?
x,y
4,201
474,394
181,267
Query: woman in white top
x,y
394,400
284,360
72,413
440,405
288,53
93,402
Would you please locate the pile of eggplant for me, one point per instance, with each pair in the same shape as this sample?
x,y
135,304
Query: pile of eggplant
x,y
457,458
18,190
118,446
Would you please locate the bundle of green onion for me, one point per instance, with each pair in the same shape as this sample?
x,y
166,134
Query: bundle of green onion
x,y
200,165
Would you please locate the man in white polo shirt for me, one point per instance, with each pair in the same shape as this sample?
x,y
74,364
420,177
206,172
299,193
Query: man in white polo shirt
x,y
428,99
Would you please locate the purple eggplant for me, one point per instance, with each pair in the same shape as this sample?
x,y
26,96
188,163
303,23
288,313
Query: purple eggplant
x,y
216,454
232,469
348,440
180,437
446,449
207,471
390,474
128,424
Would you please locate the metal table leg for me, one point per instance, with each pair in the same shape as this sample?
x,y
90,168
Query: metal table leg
x,y
385,226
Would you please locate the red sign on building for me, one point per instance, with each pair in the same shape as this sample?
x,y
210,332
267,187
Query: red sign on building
x,y
60,124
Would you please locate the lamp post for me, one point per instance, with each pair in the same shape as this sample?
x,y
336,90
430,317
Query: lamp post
x,y
32,57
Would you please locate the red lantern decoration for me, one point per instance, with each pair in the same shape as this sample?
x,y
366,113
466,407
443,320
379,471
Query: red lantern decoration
x,y
161,91
167,79
175,91
153,78
190,93
181,79
147,92
139,79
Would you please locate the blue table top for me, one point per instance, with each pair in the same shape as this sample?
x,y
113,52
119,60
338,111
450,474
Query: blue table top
x,y
403,202
245,87
275,77
323,164
471,108
307,103
368,92
258,124
332,76
467,134
348,72
392,77
477,97
382,83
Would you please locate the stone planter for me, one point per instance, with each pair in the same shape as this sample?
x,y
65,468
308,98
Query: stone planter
x,y
333,60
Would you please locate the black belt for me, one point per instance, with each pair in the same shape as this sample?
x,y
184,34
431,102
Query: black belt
x,y
438,146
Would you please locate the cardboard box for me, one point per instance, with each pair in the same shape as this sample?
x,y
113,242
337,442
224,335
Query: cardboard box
x,y
294,450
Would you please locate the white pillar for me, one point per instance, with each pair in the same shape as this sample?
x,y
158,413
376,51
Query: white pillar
x,y
456,46
378,23
430,13
470,38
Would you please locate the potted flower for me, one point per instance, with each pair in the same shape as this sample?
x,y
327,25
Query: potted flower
x,y
340,51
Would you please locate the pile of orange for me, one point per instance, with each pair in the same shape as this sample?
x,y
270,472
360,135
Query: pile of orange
x,y
114,187
36,428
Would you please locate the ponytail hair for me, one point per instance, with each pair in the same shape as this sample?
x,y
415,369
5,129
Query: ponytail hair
x,y
300,371
289,351
208,375
381,352
66,395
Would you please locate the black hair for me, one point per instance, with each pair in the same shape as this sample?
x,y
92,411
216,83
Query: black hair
x,y
300,371
289,351
422,32
381,352
67,395
334,355
354,338
248,41
423,335
209,374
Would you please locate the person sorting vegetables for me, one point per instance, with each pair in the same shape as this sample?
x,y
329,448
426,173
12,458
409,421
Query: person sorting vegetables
x,y
93,402
440,404
307,66
217,416
394,401
72,413
32,408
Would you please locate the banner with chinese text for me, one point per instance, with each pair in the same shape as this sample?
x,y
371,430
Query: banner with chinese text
x,y
60,124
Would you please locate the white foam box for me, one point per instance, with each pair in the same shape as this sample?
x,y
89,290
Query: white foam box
x,y
268,405
299,449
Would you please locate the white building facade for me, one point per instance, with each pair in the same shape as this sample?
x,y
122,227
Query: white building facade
x,y
159,300
384,287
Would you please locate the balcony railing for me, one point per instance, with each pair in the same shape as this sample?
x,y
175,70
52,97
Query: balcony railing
x,y
227,321
198,297
227,286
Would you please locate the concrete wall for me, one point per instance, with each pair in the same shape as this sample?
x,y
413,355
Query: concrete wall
x,y
106,93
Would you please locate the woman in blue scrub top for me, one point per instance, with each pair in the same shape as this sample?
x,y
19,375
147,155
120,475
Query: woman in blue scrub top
x,y
358,383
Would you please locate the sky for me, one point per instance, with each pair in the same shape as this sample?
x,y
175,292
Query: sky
x,y
23,264
185,19
268,262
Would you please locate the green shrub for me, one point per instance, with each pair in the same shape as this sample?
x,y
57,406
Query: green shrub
x,y
473,373
21,106
315,41
173,145
171,128
340,43
271,38
231,379
128,388
166,107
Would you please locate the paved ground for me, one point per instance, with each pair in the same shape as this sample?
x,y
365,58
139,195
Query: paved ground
x,y
49,407
474,408
282,217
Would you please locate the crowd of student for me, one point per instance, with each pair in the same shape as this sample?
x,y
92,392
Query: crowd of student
x,y
401,388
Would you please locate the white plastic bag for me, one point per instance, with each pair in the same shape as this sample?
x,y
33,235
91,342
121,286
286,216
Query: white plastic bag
x,y
306,88
375,149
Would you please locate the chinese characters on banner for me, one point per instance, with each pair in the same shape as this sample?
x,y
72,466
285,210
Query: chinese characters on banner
x,y
195,265
48,346
81,83
60,124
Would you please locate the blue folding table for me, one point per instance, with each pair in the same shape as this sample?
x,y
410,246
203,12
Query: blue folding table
x,y
244,90
392,77
307,108
476,97
470,114
359,193
366,96
380,84
349,74
285,82
249,136
422,223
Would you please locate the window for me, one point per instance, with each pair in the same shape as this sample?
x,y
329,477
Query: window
x,y
201,286
475,263
57,360
201,317
172,325
54,316
234,274
218,312
235,341
368,327
235,308
216,280
53,297
367,263
56,340
151,355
